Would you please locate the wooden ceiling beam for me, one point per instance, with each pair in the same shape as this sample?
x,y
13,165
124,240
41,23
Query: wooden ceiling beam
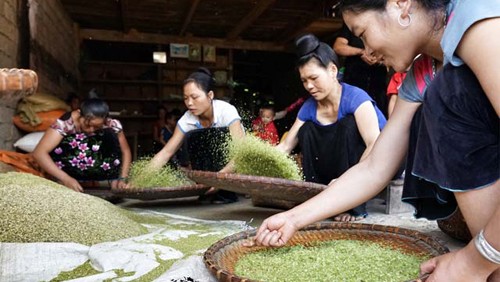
x,y
149,38
295,28
259,8
189,17
123,15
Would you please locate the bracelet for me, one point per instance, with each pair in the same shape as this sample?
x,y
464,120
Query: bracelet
x,y
485,249
123,178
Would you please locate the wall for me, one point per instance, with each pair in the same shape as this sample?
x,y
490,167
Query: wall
x,y
45,42
8,34
55,50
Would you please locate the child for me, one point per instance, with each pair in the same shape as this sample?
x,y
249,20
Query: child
x,y
263,126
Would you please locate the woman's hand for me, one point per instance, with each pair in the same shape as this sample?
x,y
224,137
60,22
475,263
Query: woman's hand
x,y
119,184
462,265
211,191
275,231
72,184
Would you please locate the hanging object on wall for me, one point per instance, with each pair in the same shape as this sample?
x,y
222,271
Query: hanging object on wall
x,y
179,50
160,57
209,53
195,52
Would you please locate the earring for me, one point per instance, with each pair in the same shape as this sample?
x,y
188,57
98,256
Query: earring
x,y
401,23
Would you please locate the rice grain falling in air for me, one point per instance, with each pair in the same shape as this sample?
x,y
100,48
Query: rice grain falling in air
x,y
143,176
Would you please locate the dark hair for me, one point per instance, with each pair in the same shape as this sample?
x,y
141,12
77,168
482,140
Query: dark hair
x,y
176,112
202,78
169,115
308,47
267,106
71,96
94,108
358,6
159,108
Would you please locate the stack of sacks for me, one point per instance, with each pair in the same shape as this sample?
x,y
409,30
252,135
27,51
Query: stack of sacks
x,y
35,114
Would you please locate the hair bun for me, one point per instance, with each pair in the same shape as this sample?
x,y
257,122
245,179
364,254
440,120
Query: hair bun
x,y
306,44
204,71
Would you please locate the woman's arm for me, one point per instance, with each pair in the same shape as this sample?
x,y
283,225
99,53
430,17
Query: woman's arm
x,y
173,144
291,139
370,176
341,47
236,131
49,141
466,264
392,102
126,160
367,122
479,50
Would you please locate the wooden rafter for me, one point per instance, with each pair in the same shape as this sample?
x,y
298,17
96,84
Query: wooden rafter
x,y
189,16
124,15
249,18
295,28
149,38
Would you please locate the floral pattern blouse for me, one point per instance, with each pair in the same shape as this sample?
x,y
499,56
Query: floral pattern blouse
x,y
84,156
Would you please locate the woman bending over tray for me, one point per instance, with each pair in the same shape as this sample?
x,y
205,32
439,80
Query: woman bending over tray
x,y
205,126
337,126
447,124
85,145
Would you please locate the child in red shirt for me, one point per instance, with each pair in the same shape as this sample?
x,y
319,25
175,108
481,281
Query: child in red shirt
x,y
263,126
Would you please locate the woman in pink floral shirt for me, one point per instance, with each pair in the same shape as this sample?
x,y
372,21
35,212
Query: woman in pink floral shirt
x,y
85,145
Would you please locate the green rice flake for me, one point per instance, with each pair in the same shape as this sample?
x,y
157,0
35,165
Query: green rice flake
x,y
142,175
83,270
35,209
253,156
338,260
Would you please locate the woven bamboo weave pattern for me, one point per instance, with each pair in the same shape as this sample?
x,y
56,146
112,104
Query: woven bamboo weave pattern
x,y
18,79
278,188
155,193
222,256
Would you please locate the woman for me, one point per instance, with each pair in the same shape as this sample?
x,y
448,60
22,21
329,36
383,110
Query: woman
x,y
203,125
337,126
159,124
85,145
464,116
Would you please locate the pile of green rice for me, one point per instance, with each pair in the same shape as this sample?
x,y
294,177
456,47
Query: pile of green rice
x,y
34,209
253,156
142,175
339,260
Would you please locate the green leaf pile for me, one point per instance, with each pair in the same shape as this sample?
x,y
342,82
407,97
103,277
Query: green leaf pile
x,y
252,156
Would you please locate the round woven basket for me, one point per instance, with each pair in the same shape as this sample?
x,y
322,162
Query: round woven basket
x,y
455,226
156,193
268,202
222,256
276,188
18,80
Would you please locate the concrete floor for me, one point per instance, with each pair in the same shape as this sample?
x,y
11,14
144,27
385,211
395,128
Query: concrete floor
x,y
244,210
